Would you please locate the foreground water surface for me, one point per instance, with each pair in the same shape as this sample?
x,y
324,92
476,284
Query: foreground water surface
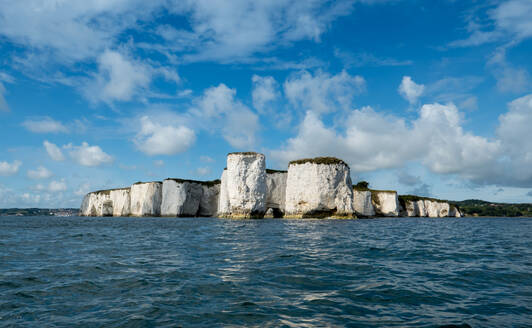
x,y
160,272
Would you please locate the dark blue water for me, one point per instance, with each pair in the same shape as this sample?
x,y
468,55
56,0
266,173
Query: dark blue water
x,y
160,272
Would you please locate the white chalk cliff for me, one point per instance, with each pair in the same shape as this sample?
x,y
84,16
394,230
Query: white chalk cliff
x,y
146,198
386,203
243,187
362,203
318,187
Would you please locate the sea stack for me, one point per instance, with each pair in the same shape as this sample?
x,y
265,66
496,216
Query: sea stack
x,y
146,198
386,202
362,203
319,187
180,197
243,187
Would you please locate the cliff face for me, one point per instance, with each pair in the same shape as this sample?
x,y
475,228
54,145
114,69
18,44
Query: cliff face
x,y
243,188
146,199
315,188
362,203
180,198
276,190
114,202
386,203
430,208
208,205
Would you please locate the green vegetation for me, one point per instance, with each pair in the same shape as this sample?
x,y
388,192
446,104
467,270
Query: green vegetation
x,y
270,171
108,191
361,186
475,207
319,160
204,183
243,153
141,182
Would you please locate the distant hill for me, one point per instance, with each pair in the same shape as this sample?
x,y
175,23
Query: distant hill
x,y
39,211
476,207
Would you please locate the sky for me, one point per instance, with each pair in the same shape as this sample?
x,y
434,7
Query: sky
x,y
432,98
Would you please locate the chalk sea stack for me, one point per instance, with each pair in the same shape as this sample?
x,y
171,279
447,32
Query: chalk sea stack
x,y
243,188
319,187
311,188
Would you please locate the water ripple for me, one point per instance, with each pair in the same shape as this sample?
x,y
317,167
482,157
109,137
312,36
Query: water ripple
x,y
130,272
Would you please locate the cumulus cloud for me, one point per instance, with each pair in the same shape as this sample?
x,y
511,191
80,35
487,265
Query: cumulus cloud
x,y
265,92
44,125
87,155
53,151
56,186
7,169
157,138
119,78
39,173
217,109
322,92
410,90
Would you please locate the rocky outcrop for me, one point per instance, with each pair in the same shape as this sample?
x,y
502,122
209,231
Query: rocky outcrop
x,y
427,207
243,186
276,192
386,202
208,205
113,202
146,198
180,197
362,203
318,187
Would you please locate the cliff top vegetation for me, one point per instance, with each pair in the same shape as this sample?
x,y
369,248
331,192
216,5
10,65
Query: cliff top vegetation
x,y
319,160
204,183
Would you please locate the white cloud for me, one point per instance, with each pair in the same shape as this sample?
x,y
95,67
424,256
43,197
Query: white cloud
x,y
157,138
206,159
3,103
229,30
218,110
88,155
40,173
83,189
409,90
44,125
119,78
202,171
509,77
372,141
158,163
7,169
509,22
265,92
56,186
321,92
53,151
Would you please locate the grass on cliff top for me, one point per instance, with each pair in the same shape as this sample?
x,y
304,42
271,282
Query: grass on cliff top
x,y
243,153
204,183
142,182
108,191
319,160
270,171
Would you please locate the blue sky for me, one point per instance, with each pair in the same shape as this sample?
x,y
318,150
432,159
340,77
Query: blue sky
x,y
425,97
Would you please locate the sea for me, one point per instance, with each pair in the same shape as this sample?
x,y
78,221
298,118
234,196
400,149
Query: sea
x,y
209,272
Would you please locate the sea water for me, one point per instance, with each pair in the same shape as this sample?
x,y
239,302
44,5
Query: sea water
x,y
208,272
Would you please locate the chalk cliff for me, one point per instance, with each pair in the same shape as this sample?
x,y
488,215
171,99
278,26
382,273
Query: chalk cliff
x,y
208,205
386,203
362,203
113,202
276,192
146,198
318,187
180,197
243,187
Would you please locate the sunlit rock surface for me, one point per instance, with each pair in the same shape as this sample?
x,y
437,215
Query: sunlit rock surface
x,y
208,205
113,202
146,198
362,203
386,203
180,197
318,187
243,188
